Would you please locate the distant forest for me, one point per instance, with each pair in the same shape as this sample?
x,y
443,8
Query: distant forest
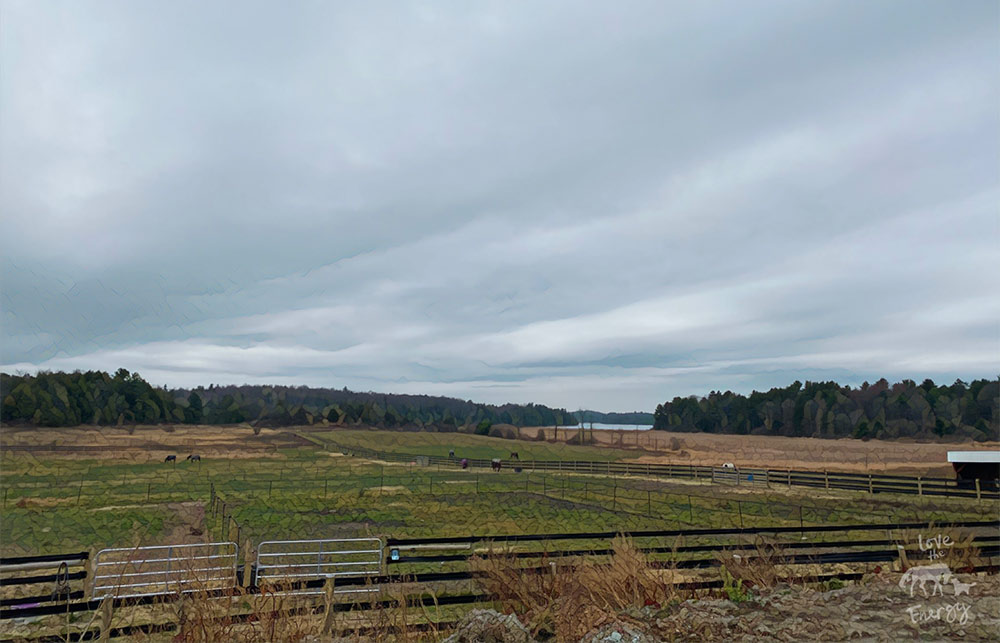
x,y
636,417
98,398
957,411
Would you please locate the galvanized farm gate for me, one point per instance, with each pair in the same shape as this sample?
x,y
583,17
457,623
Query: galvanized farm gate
x,y
164,569
284,565
727,475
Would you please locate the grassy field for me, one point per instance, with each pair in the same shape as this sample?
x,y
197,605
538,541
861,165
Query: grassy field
x,y
90,490
466,446
62,504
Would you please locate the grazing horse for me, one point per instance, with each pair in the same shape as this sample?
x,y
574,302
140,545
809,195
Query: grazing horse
x,y
451,454
514,456
495,464
465,463
170,458
194,458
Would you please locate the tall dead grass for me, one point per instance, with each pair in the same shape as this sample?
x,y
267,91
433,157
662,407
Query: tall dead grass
x,y
758,564
276,615
569,600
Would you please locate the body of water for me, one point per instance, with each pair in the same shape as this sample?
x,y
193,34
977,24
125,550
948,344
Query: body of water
x,y
611,427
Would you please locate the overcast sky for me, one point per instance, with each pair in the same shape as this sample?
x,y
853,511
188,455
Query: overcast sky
x,y
582,204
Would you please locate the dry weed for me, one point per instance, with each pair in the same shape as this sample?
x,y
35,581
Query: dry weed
x,y
567,601
757,565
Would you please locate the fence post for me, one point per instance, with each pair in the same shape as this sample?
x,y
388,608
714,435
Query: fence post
x,y
870,483
979,496
801,528
920,486
690,510
789,478
826,478
739,505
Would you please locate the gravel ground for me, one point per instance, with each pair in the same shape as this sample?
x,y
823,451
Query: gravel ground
x,y
877,609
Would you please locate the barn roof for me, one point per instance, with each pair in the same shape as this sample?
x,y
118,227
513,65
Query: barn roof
x,y
974,456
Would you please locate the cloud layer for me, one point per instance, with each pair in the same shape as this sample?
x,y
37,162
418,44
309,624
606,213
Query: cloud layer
x,y
593,206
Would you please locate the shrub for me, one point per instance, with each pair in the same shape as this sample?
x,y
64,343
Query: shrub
x,y
733,587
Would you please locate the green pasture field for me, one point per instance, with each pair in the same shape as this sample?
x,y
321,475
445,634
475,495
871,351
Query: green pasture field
x,y
468,445
58,504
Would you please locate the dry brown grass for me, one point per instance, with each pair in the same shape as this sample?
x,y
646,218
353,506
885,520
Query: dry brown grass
x,y
757,565
573,599
904,457
275,617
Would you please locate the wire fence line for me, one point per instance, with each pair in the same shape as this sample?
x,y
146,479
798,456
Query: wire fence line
x,y
625,493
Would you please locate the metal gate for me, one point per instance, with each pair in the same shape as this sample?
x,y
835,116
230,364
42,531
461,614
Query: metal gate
x,y
164,569
725,475
285,564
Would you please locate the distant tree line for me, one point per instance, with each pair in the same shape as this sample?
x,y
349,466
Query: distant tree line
x,y
641,418
959,411
98,398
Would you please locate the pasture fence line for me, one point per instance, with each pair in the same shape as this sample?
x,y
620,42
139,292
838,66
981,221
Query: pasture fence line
x,y
868,482
621,496
192,482
162,573
628,495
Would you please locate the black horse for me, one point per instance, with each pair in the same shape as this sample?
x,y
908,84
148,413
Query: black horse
x,y
514,455
194,458
170,458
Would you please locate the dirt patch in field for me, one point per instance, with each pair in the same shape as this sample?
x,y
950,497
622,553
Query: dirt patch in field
x,y
392,489
190,524
27,503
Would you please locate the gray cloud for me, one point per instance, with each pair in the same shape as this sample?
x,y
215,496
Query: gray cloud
x,y
582,205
